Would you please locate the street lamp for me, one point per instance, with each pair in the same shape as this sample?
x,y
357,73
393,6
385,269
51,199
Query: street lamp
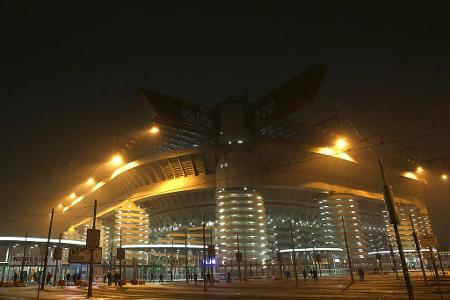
x,y
72,196
90,181
419,169
444,176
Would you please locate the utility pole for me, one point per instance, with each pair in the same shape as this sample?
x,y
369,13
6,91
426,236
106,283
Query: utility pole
x,y
436,273
120,260
238,258
394,219
212,248
394,262
186,256
23,256
91,262
294,259
44,272
171,260
204,255
417,244
245,264
440,261
349,257
57,260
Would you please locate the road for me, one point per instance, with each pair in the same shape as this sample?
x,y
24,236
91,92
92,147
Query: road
x,y
374,287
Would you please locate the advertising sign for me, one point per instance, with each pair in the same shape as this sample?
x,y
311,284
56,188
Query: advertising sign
x,y
93,239
81,255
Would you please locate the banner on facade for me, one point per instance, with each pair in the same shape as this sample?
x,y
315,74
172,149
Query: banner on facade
x,y
27,260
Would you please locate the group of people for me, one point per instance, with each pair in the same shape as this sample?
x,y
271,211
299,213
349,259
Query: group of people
x,y
110,277
312,273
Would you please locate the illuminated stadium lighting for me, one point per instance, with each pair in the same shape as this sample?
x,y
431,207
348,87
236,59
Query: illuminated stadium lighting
x,y
341,144
333,152
116,160
154,130
410,175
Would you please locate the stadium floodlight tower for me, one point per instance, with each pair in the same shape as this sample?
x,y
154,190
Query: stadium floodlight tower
x,y
232,125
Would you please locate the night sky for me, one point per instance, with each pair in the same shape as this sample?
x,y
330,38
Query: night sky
x,y
70,72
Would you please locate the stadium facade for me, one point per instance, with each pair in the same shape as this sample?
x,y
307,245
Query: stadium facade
x,y
254,176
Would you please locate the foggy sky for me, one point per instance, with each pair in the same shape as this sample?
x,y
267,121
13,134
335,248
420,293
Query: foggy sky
x,y
70,72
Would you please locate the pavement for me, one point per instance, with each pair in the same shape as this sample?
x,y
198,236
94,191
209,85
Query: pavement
x,y
338,287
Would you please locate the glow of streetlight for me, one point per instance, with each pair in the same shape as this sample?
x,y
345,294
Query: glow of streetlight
x,y
154,130
116,160
341,143
444,177
419,169
90,181
72,196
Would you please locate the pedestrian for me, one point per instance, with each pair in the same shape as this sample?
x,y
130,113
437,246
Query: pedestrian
x,y
361,274
105,276
152,277
49,278
116,278
228,277
161,277
195,278
304,274
15,276
315,275
208,278
67,277
109,277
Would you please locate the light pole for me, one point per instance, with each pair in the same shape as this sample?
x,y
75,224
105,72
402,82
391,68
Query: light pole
x,y
43,279
394,220
294,259
349,257
416,242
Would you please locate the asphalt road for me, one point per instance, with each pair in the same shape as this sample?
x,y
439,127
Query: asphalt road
x,y
374,287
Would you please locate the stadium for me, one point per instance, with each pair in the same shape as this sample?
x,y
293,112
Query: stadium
x,y
243,177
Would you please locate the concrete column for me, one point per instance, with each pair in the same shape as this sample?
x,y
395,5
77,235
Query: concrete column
x,y
332,208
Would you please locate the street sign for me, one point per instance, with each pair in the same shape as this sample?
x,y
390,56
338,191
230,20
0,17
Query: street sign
x,y
93,239
57,253
238,256
390,204
428,240
211,251
120,253
280,257
80,255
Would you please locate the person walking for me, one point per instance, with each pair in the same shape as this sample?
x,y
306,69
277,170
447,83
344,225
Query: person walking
x,y
304,274
49,278
161,277
15,277
195,278
109,277
228,277
208,278
315,275
152,277
116,278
